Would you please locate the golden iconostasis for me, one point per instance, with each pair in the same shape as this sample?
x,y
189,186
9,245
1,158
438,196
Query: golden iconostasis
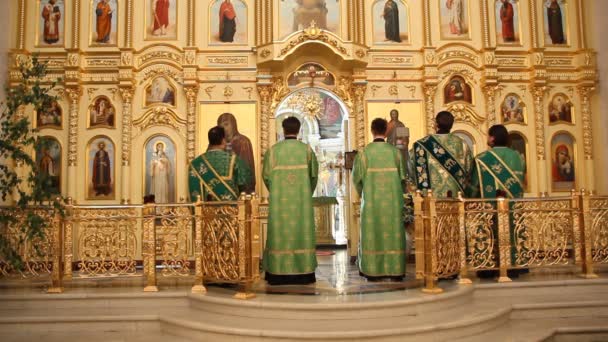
x,y
143,81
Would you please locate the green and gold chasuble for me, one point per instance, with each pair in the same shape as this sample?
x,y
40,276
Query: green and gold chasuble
x,y
441,162
217,175
501,168
290,174
378,175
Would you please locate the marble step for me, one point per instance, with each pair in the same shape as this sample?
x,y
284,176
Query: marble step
x,y
580,329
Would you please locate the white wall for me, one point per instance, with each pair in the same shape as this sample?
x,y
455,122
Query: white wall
x,y
597,13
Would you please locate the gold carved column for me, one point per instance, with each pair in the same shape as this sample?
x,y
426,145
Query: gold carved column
x,y
191,96
585,93
74,98
490,94
358,93
539,92
125,155
429,106
265,92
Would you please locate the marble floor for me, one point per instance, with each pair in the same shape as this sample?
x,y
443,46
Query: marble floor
x,y
336,275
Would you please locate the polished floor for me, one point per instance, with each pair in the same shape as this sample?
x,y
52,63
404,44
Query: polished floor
x,y
336,275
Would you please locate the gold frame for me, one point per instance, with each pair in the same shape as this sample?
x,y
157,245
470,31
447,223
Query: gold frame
x,y
37,41
467,18
35,120
322,86
367,128
572,111
91,105
209,30
409,26
257,145
574,155
148,11
565,25
145,164
445,84
60,160
154,104
527,180
290,35
89,174
520,43
524,111
115,14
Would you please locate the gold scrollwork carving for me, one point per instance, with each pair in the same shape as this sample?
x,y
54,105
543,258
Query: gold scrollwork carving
x,y
358,95
316,34
542,233
74,97
375,88
221,228
480,228
539,120
429,106
36,253
160,55
465,113
209,90
447,245
585,94
228,91
160,116
265,92
107,242
393,90
174,239
490,95
127,97
599,229
191,95
264,53
126,58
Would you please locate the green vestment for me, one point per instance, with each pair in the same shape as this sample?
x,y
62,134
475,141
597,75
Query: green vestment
x,y
379,175
290,174
441,162
217,175
501,168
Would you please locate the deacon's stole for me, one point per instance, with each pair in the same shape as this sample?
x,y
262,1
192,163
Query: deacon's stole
x,y
221,187
427,148
494,174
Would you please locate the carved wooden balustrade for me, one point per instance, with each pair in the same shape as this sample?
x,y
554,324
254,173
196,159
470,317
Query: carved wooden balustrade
x,y
456,236
220,241
202,242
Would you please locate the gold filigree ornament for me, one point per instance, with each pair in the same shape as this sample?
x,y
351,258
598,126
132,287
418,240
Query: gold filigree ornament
x,y
464,113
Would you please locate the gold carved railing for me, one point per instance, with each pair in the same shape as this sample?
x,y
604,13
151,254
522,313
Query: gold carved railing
x,y
102,241
457,236
41,257
203,241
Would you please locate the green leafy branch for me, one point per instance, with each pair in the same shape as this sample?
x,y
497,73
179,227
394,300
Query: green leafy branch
x,y
17,141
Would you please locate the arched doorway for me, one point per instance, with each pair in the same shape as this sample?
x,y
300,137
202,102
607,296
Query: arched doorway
x,y
324,118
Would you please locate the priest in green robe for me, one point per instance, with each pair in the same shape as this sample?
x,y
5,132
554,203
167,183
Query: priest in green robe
x,y
217,175
442,161
499,172
379,178
290,174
